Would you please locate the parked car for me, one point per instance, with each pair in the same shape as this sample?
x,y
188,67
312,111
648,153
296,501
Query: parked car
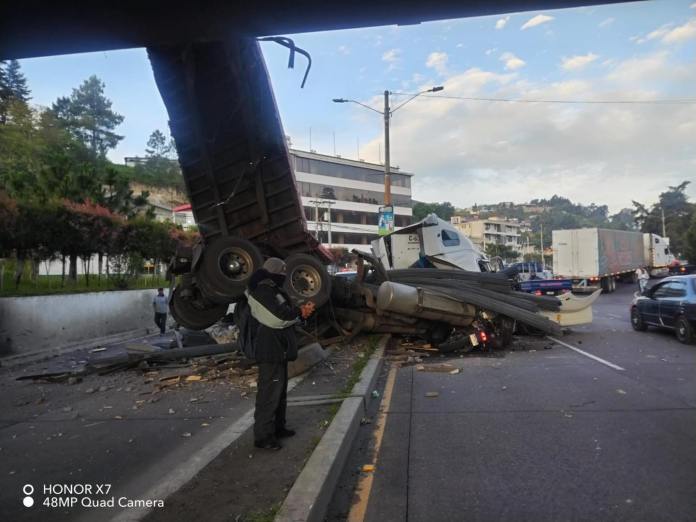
x,y
671,303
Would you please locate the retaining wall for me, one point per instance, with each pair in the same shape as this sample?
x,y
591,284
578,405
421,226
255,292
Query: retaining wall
x,y
33,324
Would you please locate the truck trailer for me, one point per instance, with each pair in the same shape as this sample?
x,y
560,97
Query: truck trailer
x,y
598,257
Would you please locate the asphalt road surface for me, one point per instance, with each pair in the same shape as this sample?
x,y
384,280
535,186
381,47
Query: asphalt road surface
x,y
543,434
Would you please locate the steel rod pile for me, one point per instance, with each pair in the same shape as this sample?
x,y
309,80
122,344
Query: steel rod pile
x,y
488,291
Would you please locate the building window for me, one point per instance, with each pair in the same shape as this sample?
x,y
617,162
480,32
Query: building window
x,y
316,190
338,170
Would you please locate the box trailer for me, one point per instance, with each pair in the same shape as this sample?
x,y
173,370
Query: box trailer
x,y
595,257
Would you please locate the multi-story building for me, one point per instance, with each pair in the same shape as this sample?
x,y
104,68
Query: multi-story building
x,y
356,189
491,231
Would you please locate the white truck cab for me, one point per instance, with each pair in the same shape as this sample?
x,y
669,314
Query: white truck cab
x,y
430,242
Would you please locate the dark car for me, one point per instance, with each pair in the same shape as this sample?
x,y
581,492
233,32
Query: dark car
x,y
685,269
671,303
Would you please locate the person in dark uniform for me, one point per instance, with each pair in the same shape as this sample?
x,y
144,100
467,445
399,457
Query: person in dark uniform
x,y
275,344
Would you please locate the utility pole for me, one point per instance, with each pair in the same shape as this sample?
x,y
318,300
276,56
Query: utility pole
x,y
387,173
541,242
664,230
387,114
328,204
319,225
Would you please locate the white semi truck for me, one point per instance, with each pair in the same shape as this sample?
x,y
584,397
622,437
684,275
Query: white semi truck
x,y
598,257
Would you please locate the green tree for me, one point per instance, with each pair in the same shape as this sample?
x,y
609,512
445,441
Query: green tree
x,y
443,210
87,114
677,210
160,167
15,82
506,252
690,240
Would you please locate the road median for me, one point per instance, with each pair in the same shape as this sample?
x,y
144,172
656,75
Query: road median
x,y
311,493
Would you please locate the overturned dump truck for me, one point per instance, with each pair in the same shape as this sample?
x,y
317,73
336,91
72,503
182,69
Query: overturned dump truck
x,y
242,189
234,160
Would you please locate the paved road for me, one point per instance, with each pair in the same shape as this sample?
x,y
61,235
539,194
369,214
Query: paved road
x,y
541,434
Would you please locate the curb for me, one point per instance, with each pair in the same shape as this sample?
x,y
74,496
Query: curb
x,y
311,493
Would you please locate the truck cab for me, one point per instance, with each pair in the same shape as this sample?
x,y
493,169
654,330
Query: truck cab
x,y
431,243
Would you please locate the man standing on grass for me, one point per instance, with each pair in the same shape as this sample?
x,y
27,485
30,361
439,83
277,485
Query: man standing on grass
x,y
275,344
160,304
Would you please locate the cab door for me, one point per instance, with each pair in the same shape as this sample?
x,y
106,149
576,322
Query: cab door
x,y
670,304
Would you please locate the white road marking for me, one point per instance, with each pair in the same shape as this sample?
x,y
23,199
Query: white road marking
x,y
582,352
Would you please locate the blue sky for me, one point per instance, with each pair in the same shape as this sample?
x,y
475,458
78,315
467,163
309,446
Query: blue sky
x,y
463,151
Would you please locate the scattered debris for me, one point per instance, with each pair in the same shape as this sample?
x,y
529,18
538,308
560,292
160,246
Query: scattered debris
x,y
620,391
375,394
368,468
186,434
432,394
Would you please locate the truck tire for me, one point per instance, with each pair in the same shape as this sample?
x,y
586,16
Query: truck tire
x,y
604,283
307,279
684,330
226,268
193,313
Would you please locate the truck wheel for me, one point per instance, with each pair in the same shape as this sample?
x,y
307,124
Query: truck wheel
x,y
684,331
307,279
226,267
637,321
604,283
193,313
612,285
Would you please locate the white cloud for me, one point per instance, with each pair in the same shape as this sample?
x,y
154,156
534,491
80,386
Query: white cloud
x,y
578,62
460,45
681,33
512,62
606,22
537,20
490,51
467,151
438,61
391,56
502,22
693,6
344,49
668,34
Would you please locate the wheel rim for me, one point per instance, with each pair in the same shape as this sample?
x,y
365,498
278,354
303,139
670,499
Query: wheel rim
x,y
236,263
634,317
681,330
305,281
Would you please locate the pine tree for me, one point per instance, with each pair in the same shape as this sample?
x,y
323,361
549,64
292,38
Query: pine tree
x,y
88,116
15,82
4,92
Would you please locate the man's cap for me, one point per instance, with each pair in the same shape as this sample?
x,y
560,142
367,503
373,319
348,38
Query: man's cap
x,y
273,265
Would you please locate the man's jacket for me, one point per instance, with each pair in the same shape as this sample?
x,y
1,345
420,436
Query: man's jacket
x,y
270,306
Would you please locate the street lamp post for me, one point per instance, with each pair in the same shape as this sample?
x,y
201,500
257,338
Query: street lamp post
x,y
387,114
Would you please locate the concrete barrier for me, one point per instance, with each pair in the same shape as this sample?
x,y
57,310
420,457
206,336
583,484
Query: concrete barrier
x,y
41,323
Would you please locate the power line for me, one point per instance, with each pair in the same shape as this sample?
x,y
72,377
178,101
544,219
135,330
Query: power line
x,y
587,102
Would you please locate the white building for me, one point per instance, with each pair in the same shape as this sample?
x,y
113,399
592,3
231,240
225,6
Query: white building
x,y
491,231
357,189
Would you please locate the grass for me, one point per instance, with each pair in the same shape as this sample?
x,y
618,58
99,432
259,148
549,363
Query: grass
x,y
267,515
51,284
355,373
